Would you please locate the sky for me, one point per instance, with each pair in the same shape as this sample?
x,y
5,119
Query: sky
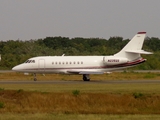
x,y
36,19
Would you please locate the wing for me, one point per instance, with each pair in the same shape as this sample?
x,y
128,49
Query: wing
x,y
84,72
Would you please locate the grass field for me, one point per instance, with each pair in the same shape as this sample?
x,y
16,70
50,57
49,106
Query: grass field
x,y
81,101
113,76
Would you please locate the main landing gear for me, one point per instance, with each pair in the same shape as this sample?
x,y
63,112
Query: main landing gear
x,y
34,75
86,77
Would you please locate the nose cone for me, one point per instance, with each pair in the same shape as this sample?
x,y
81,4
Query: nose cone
x,y
17,68
13,68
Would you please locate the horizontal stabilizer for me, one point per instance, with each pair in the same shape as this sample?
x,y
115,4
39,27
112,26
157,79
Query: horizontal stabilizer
x,y
138,51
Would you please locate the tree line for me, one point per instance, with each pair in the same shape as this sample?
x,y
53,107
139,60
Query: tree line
x,y
14,52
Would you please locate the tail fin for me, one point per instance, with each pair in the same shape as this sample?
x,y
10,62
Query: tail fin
x,y
133,49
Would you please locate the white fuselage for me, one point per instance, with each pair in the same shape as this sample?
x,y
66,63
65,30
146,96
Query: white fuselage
x,y
75,64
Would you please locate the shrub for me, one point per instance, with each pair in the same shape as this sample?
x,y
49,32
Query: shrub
x,y
20,90
1,105
75,92
138,95
1,89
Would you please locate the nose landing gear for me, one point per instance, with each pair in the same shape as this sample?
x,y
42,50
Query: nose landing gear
x,y
35,78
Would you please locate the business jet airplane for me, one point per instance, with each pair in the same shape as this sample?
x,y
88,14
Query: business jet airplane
x,y
85,65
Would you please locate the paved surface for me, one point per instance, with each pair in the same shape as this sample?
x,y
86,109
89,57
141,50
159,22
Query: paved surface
x,y
82,82
5,71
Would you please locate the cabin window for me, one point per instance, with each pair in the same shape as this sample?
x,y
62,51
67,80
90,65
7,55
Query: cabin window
x,y
27,61
33,61
66,62
30,61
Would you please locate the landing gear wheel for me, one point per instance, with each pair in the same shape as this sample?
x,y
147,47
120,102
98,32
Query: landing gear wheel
x,y
86,77
35,79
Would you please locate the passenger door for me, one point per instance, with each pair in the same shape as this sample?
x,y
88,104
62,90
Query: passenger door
x,y
41,64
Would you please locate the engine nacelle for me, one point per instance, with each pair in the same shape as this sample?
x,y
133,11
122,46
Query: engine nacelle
x,y
111,60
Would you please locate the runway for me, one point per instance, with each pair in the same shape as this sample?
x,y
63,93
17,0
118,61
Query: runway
x,y
83,82
142,71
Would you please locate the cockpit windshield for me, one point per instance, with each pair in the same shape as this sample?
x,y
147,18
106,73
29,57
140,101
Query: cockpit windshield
x,y
30,61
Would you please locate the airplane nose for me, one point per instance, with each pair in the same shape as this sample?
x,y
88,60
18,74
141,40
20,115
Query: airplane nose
x,y
16,68
13,68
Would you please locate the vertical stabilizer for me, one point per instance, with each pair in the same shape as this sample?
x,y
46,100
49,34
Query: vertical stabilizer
x,y
133,49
